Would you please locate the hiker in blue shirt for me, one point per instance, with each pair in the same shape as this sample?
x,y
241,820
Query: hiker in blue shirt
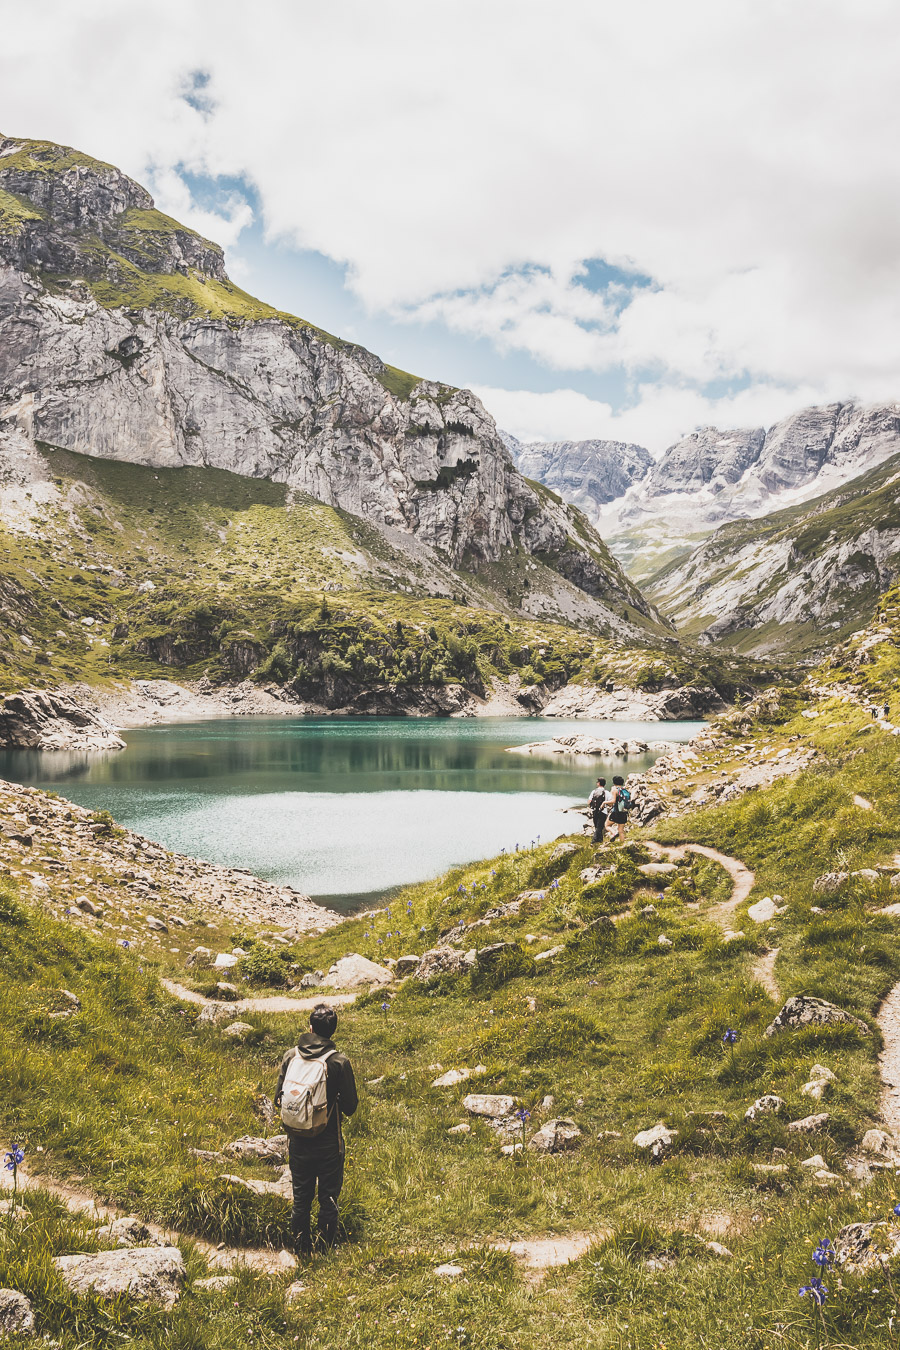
x,y
619,802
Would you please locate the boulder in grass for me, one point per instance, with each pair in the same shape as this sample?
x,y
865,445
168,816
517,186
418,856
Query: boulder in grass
x,y
805,1011
494,1105
200,956
250,1148
557,1136
863,1247
16,1315
444,961
880,1144
830,882
214,1284
809,1124
355,972
451,1078
406,965
239,1031
769,1105
657,1141
145,1274
129,1231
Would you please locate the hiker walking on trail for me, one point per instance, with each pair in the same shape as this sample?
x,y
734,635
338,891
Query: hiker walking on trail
x,y
597,803
619,804
315,1088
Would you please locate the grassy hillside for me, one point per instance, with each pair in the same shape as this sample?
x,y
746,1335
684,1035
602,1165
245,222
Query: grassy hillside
x,y
133,571
620,1029
795,581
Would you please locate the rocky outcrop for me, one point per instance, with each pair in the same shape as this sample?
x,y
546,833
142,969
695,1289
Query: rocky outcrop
x,y
102,353
666,705
588,473
38,720
557,1136
16,1314
805,1011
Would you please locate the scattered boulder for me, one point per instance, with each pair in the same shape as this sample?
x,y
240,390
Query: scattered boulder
x,y
226,991
406,965
591,875
879,1144
239,1031
355,971
490,1104
212,1014
566,849
658,869
145,1274
867,874
448,1271
809,1124
557,1136
156,924
719,1249
815,1163
805,1011
214,1284
819,1072
129,1231
200,956
769,1105
816,1088
464,1128
862,1247
509,1149
225,960
281,1187
312,979
658,1140
87,905
549,955
296,1289
16,1314
763,911
250,1148
770,1169
451,1078
444,961
663,941
830,882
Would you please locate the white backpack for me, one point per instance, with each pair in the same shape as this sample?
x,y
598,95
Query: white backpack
x,y
304,1098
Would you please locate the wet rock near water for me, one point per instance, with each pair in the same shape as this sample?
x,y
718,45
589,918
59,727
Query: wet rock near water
x,y
152,1275
40,720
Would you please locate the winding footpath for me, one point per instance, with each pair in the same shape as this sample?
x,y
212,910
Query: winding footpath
x,y
276,1003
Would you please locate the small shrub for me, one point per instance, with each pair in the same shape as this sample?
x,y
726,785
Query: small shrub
x,y
263,966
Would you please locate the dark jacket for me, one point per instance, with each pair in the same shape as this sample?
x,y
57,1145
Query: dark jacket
x,y
340,1090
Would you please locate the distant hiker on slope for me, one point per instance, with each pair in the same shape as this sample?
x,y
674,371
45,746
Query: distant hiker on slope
x,y
315,1088
619,804
597,803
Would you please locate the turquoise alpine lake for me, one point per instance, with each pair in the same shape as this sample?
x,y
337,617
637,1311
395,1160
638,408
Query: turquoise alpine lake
x,y
342,809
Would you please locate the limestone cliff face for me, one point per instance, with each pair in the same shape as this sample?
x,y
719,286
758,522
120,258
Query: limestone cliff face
x,y
588,473
121,337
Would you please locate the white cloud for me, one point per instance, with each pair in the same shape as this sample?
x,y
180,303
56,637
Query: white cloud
x,y
464,159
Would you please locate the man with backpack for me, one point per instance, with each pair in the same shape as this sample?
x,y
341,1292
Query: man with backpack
x,y
597,804
620,802
315,1088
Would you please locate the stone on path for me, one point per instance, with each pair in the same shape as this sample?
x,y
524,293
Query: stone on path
x,y
16,1315
804,1011
145,1274
129,1231
355,971
494,1105
769,1105
809,1123
557,1136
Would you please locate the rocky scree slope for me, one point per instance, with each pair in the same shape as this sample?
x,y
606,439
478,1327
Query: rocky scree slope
x,y
121,337
793,581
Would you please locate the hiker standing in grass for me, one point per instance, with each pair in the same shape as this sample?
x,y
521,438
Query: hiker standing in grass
x,y
597,803
619,802
315,1088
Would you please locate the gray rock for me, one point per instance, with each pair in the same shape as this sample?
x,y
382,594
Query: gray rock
x,y
200,956
463,1128
658,869
448,1271
88,906
129,1231
830,882
355,972
214,1014
239,1031
765,1106
144,1274
489,1104
557,1136
312,979
157,924
226,991
566,849
867,874
41,720
444,961
657,1141
214,1284
861,1247
880,1144
809,1124
16,1315
549,955
250,1148
407,965
804,1011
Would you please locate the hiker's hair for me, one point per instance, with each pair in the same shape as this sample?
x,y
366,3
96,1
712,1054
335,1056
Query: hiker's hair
x,y
323,1020
618,781
602,782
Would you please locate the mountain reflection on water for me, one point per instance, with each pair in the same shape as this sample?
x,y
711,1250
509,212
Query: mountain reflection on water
x,y
341,809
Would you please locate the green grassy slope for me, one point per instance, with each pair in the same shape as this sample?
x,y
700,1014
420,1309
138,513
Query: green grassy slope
x,y
623,1032
755,559
248,579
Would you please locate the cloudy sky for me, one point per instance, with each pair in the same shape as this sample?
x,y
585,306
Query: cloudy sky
x,y
614,218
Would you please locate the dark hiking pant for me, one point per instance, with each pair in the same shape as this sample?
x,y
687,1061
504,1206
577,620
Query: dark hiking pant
x,y
309,1169
599,826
